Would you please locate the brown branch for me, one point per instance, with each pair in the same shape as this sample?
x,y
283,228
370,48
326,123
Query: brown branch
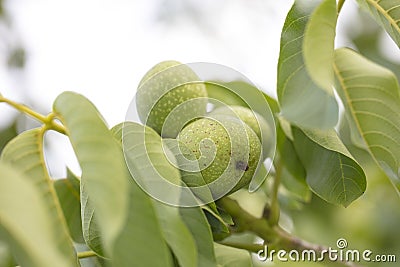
x,y
274,236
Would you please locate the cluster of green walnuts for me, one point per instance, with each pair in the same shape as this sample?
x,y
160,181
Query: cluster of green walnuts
x,y
226,141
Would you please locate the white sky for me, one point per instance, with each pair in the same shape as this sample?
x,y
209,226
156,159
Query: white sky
x,y
102,48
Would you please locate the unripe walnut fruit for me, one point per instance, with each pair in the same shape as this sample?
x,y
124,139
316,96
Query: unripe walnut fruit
x,y
227,150
169,96
254,120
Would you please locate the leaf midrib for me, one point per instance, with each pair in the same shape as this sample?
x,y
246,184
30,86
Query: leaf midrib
x,y
352,111
382,11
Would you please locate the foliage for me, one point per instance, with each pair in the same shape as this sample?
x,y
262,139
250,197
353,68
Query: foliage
x,y
320,152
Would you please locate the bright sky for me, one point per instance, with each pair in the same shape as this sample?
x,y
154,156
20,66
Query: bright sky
x,y
101,49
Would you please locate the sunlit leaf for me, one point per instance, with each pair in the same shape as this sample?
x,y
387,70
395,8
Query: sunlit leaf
x,y
68,193
135,244
101,160
318,47
302,102
387,14
232,257
174,230
25,153
31,230
176,233
332,173
189,250
370,94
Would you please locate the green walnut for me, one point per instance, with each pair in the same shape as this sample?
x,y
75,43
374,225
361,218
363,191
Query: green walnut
x,y
227,150
169,96
256,122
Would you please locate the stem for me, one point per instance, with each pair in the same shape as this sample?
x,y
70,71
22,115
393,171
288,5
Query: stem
x,y
52,125
86,254
275,209
340,5
276,237
47,120
24,109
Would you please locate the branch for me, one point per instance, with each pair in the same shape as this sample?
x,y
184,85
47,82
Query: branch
x,y
274,209
255,248
23,109
276,237
86,254
47,120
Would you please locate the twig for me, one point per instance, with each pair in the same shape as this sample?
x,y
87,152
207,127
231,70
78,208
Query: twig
x,y
86,254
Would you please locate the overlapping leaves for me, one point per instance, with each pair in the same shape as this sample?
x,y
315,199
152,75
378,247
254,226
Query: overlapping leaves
x,y
43,223
302,99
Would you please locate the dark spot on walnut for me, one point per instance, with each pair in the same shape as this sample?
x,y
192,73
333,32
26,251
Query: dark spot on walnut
x,y
240,165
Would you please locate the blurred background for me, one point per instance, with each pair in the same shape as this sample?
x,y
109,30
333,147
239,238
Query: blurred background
x,y
101,49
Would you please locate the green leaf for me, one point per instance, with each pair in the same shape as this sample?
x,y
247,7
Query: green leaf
x,y
296,90
197,223
141,240
175,231
232,257
25,153
90,227
289,156
293,172
31,230
219,227
360,153
332,173
6,258
135,243
219,92
387,14
370,94
177,235
297,189
273,104
7,134
318,47
69,196
151,163
101,160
